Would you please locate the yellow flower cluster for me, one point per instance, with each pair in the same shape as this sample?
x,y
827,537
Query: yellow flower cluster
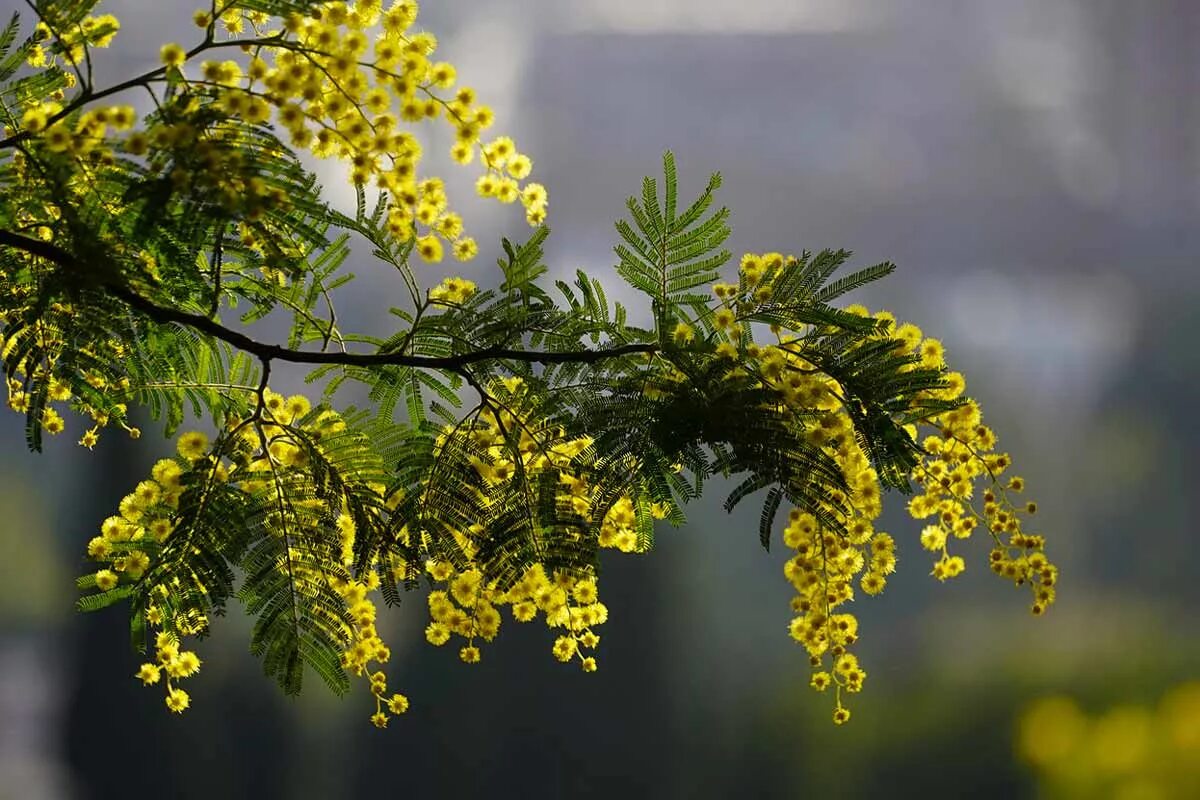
x,y
347,81
146,519
342,82
829,564
48,377
467,606
452,291
959,455
826,565
256,452
366,647
460,602
85,140
91,31
1125,751
176,664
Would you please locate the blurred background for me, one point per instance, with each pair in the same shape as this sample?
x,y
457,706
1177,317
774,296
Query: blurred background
x,y
1033,166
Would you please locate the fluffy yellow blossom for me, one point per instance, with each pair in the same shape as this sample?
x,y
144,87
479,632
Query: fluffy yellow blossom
x,y
178,700
454,291
149,674
172,55
192,445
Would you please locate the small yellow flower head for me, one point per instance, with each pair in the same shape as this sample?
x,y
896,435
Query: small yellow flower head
x,y
89,438
534,196
469,654
172,55
430,248
933,537
564,648
487,185
724,291
379,719
519,166
442,75
52,422
465,249
99,548
167,472
178,700
136,564
192,445
507,190
932,353
499,150
437,634
34,120
873,583
106,580
462,152
683,334
296,406
398,704
752,268
841,715
589,664
188,664
149,674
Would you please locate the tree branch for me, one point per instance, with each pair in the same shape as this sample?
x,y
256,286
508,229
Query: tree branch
x,y
267,351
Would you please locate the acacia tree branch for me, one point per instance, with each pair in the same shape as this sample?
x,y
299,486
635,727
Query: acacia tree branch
x,y
267,351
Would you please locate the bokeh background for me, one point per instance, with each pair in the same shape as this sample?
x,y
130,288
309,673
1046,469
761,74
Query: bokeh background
x,y
1033,166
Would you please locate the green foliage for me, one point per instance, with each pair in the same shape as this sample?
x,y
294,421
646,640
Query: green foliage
x,y
668,257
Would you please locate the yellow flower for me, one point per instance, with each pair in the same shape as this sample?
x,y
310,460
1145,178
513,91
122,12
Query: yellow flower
x,y
192,445
90,438
442,75
35,119
177,700
519,166
727,350
564,648
296,406
683,333
429,248
465,249
724,318
52,422
99,548
188,664
172,55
